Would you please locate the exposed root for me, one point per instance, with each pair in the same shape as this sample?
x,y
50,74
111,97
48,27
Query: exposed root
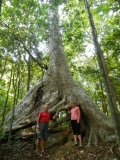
x,y
87,146
93,139
111,138
58,106
111,149
53,125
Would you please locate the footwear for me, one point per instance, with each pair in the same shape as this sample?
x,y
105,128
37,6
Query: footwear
x,y
75,144
80,145
37,153
42,154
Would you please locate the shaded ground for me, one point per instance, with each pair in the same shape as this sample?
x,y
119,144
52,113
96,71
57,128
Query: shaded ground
x,y
25,150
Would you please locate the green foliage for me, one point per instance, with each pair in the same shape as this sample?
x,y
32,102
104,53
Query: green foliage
x,y
24,39
23,29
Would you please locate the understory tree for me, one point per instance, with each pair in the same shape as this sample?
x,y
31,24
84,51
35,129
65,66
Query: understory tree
x,y
104,71
57,89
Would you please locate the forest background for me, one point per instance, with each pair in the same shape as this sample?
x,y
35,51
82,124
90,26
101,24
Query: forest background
x,y
24,53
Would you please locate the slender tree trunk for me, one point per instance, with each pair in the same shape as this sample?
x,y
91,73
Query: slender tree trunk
x,y
15,82
104,105
28,81
104,72
13,110
19,78
5,105
118,2
28,67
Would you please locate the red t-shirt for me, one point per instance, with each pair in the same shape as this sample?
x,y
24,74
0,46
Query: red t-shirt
x,y
44,117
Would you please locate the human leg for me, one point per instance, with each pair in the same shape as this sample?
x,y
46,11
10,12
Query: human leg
x,y
79,135
44,137
75,140
43,145
38,140
74,131
37,146
80,140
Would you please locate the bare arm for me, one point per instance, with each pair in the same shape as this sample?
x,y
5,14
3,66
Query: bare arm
x,y
78,121
38,122
54,117
68,111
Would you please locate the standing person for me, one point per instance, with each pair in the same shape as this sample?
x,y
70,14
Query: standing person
x,y
75,123
42,126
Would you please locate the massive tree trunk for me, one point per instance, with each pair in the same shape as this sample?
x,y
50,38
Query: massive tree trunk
x,y
57,89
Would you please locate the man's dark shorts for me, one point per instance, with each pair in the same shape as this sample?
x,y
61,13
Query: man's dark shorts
x,y
43,130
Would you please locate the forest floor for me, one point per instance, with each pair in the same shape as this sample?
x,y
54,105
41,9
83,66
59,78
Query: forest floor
x,y
25,150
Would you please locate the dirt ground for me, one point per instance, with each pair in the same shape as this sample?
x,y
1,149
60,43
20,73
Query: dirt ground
x,y
25,150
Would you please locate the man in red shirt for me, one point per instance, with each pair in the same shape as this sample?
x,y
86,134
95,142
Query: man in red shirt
x,y
42,126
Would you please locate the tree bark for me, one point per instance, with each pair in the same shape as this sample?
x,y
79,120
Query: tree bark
x,y
58,89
